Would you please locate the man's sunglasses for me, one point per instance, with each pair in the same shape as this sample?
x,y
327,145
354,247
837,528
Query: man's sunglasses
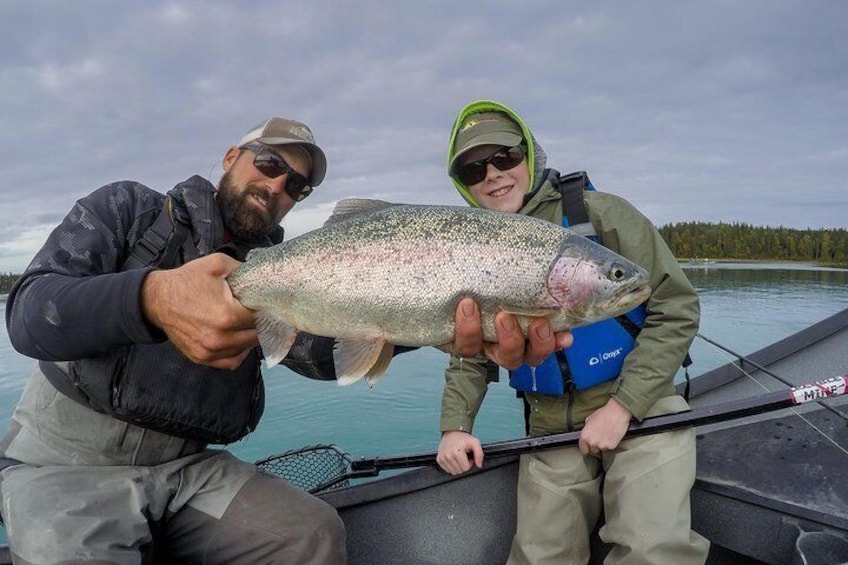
x,y
504,159
272,165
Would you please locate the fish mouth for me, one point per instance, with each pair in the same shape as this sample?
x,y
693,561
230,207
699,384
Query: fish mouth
x,y
630,297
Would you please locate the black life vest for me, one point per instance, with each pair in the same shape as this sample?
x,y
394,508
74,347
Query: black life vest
x,y
154,385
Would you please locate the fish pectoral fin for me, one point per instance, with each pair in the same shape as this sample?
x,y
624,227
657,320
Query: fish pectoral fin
x,y
350,207
357,358
379,368
276,336
529,312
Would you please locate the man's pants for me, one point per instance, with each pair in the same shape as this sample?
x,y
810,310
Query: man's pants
x,y
204,507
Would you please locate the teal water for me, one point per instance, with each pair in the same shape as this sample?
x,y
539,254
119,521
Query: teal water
x,y
744,307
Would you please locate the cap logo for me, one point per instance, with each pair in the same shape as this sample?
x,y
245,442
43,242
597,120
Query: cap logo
x,y
303,133
469,124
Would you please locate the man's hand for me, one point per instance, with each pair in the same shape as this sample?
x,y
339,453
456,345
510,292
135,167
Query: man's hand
x,y
604,428
454,449
512,350
195,308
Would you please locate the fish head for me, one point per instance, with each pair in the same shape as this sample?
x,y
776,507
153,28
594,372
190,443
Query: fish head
x,y
589,284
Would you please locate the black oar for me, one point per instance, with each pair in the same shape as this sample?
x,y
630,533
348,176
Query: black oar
x,y
369,467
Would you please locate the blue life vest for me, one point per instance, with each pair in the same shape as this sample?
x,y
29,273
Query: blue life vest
x,y
599,349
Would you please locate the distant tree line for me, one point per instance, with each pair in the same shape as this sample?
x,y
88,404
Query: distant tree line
x,y
7,281
744,241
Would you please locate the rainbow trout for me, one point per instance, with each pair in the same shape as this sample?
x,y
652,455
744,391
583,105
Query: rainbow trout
x,y
379,274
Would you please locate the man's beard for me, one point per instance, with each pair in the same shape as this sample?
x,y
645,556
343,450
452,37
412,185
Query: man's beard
x,y
242,218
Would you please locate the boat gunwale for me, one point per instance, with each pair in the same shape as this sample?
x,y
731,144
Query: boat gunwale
x,y
768,355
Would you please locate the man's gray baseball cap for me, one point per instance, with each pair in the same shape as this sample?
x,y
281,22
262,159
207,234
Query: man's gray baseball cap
x,y
282,131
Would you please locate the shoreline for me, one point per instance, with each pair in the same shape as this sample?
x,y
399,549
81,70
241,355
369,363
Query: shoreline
x,y
710,261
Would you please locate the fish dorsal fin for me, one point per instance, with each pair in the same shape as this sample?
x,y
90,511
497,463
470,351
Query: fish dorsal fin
x,y
350,207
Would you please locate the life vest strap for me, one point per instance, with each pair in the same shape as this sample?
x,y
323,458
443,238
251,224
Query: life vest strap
x,y
161,242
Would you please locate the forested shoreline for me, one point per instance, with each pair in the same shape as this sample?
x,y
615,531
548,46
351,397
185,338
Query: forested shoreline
x,y
7,281
724,241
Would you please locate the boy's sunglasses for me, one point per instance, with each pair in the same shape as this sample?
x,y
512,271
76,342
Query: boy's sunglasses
x,y
503,160
272,165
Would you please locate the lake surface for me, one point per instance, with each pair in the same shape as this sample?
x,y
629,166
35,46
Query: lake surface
x,y
744,307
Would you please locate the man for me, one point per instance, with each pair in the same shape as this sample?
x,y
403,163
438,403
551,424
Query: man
x,y
145,359
497,164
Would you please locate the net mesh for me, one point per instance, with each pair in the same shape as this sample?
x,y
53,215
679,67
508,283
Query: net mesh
x,y
317,468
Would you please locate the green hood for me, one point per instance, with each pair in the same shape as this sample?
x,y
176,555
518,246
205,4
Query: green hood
x,y
536,157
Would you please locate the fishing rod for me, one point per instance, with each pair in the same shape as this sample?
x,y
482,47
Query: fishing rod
x,y
768,372
734,409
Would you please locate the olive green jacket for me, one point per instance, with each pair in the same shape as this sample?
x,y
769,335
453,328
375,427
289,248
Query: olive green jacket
x,y
673,314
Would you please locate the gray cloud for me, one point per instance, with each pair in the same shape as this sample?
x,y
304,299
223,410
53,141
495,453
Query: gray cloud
x,y
712,111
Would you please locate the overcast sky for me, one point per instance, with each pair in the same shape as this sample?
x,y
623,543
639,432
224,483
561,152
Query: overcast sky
x,y
711,111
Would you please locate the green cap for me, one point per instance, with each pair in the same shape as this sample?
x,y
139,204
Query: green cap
x,y
487,128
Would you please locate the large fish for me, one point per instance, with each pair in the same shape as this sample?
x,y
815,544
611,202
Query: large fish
x,y
379,274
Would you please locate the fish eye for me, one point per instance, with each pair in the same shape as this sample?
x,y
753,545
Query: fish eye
x,y
617,273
